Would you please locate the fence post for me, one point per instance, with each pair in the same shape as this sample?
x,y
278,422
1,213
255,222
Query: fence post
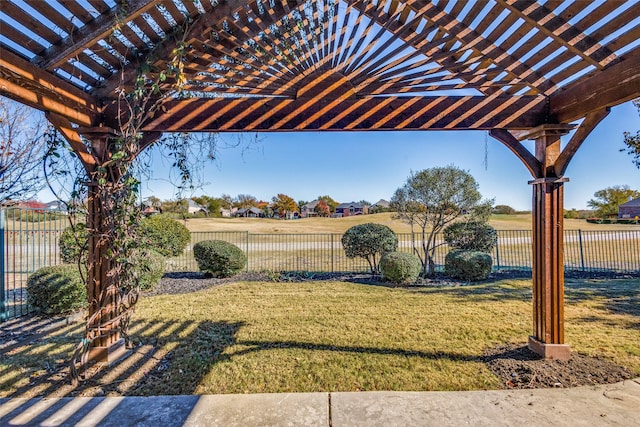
x,y
497,254
580,246
3,302
332,254
247,251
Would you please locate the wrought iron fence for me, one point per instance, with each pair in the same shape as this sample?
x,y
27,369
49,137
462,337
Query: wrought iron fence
x,y
29,241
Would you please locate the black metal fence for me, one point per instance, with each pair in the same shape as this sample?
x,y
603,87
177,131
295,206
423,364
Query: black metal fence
x,y
29,241
583,250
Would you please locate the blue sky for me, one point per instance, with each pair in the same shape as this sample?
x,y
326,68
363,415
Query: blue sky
x,y
351,166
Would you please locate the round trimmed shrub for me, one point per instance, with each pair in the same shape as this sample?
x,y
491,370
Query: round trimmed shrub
x,y
164,234
73,244
369,241
148,267
400,267
57,290
468,265
218,258
471,236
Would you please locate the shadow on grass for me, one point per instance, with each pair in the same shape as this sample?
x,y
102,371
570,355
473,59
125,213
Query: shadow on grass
x,y
614,296
483,292
184,350
257,346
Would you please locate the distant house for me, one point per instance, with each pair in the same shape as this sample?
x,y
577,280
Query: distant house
x,y
309,209
32,205
252,212
193,207
228,213
351,209
380,206
57,206
631,209
149,210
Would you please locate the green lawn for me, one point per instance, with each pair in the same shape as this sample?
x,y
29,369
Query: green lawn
x,y
253,337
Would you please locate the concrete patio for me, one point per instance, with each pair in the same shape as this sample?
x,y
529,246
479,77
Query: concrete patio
x,y
614,404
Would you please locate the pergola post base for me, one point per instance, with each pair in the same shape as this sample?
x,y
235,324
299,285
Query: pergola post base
x,y
109,354
550,351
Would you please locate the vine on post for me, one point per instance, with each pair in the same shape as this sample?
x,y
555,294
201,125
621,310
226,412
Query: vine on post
x,y
108,193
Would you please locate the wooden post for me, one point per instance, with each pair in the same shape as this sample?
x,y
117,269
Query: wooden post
x,y
547,338
102,292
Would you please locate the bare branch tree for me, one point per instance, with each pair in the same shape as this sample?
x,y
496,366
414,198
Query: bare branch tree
x,y
22,148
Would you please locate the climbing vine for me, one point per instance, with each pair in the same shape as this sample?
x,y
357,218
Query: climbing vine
x,y
107,195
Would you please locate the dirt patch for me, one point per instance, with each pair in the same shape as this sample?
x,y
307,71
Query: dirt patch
x,y
519,367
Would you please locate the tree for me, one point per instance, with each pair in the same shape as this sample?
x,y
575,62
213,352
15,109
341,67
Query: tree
x,y
211,204
322,209
369,241
606,201
332,203
301,204
175,206
503,210
283,204
633,141
430,200
153,201
22,149
245,201
227,201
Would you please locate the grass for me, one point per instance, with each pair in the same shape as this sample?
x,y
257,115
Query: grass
x,y
253,337
340,225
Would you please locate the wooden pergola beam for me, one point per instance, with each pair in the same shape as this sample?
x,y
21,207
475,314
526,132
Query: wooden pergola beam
x,y
586,127
617,84
371,113
24,82
91,33
512,143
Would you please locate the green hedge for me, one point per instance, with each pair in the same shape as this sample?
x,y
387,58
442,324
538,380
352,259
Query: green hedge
x,y
468,265
73,244
165,235
400,267
369,241
218,258
57,290
162,234
148,267
471,236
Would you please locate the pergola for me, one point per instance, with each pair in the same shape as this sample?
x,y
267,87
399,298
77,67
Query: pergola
x,y
520,69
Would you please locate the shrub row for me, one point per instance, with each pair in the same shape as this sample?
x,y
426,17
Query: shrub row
x,y
613,221
60,289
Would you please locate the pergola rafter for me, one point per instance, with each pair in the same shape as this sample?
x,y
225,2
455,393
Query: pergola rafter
x,y
521,69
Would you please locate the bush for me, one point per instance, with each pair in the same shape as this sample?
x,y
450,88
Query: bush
x,y
73,245
57,290
148,267
503,210
162,234
400,267
467,265
218,258
471,236
165,235
369,241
